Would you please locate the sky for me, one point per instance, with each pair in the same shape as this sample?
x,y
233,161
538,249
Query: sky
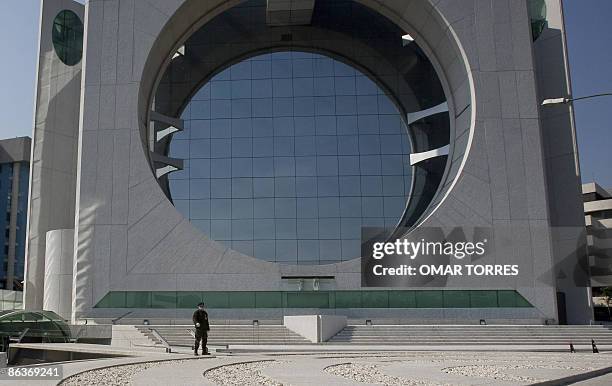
x,y
589,32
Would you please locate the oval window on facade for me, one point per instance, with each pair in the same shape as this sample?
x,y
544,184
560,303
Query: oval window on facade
x,y
537,14
67,36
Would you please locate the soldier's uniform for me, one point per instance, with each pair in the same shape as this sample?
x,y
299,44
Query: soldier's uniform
x,y
201,332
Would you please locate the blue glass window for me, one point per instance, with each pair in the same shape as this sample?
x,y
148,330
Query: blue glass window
x,y
287,155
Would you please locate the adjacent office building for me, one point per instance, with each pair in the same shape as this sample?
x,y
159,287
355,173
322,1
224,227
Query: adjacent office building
x,y
14,177
233,151
598,219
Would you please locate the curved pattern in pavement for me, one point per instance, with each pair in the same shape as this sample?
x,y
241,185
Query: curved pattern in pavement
x,y
238,374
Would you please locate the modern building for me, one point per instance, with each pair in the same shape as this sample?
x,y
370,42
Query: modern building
x,y
14,180
233,151
598,219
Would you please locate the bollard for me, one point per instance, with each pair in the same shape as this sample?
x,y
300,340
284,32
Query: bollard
x,y
595,350
572,350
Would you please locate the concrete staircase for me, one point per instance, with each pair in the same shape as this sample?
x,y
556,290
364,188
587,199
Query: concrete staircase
x,y
472,335
223,335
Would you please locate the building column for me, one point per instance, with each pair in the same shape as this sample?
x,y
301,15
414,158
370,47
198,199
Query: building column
x,y
59,252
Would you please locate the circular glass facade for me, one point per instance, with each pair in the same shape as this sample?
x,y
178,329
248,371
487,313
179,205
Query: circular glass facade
x,y
67,36
288,155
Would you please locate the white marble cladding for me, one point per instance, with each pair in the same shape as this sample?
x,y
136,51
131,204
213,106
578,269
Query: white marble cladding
x,y
58,272
130,237
53,166
560,163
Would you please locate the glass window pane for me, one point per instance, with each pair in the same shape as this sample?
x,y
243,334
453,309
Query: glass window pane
x,y
307,208
263,187
330,250
306,186
305,146
351,249
350,207
262,88
284,208
242,147
199,209
263,147
261,69
308,228
286,251
264,249
220,108
220,148
199,168
221,168
329,207
329,228
304,126
242,208
221,188
221,208
285,229
199,188
242,229
264,229
284,187
241,88
163,299
220,230
186,299
308,250
303,86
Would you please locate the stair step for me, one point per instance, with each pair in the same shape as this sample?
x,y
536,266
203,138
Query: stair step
x,y
180,335
471,335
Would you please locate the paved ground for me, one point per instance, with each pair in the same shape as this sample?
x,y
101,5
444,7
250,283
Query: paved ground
x,y
391,368
235,348
605,380
420,368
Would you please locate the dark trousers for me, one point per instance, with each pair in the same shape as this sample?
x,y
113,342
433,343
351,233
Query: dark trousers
x,y
200,335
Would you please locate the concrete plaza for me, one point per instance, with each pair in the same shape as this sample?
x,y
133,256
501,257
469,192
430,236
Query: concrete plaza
x,y
350,367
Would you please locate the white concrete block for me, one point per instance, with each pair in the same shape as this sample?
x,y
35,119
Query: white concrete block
x,y
304,325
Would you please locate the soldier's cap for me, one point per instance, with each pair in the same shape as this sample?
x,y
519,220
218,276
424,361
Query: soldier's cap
x,y
200,304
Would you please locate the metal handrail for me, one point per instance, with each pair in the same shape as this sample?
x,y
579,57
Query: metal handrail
x,y
163,341
114,321
20,336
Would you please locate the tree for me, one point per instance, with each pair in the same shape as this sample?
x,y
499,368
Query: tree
x,y
606,293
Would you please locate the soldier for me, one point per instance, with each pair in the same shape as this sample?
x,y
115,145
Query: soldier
x,y
200,320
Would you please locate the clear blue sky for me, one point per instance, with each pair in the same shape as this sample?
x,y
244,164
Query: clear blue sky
x,y
589,38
